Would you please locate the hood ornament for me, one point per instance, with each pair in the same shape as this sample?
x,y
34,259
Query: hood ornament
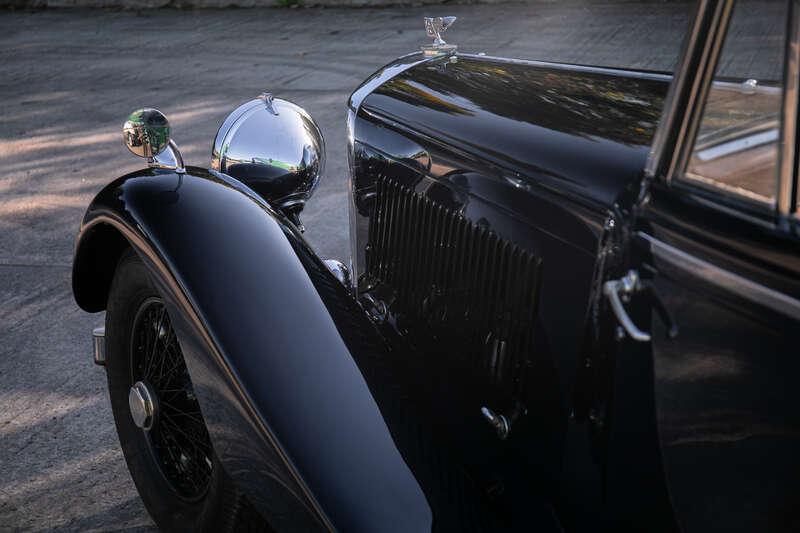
x,y
269,101
435,26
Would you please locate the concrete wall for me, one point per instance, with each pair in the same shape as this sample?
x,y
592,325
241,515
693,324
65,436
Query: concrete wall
x,y
216,4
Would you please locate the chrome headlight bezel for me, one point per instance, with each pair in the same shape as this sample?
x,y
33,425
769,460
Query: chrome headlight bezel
x,y
275,147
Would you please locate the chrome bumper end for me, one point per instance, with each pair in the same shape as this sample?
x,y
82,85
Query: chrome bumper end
x,y
99,343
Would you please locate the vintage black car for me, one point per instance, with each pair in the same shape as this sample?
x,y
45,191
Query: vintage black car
x,y
572,301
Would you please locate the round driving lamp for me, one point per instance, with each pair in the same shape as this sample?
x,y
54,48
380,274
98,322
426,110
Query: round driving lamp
x,y
275,148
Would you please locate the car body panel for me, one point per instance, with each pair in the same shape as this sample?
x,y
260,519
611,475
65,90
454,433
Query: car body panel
x,y
549,167
583,131
448,115
491,201
724,263
724,399
288,409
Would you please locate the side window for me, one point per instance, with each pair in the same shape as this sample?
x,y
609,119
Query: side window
x,y
737,144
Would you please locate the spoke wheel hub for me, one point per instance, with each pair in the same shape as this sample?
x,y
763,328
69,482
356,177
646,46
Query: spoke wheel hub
x,y
144,404
163,404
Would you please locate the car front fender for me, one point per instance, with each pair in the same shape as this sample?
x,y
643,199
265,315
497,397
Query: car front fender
x,y
271,340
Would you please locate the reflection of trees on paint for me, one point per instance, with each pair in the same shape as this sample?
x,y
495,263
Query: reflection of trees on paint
x,y
411,91
619,107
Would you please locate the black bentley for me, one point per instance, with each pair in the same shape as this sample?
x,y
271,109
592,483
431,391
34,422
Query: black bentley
x,y
572,301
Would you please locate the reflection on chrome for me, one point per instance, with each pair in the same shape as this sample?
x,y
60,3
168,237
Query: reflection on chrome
x,y
435,26
275,148
147,134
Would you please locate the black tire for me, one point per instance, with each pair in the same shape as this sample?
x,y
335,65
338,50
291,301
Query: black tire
x,y
192,493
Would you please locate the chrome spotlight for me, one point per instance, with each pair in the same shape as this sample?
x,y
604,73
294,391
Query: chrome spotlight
x,y
275,148
147,134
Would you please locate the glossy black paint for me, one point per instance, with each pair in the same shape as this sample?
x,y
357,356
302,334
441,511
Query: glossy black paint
x,y
338,410
330,418
583,131
724,393
560,147
270,339
549,158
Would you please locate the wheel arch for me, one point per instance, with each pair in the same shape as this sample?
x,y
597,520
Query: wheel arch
x,y
97,253
258,317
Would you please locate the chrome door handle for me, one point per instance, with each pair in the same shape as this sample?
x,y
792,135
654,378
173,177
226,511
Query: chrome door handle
x,y
617,290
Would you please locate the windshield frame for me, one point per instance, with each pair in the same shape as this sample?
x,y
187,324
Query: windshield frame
x,y
673,142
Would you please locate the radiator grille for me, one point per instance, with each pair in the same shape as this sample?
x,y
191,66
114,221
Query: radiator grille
x,y
469,287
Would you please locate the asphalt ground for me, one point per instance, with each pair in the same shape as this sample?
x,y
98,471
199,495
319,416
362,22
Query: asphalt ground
x,y
69,78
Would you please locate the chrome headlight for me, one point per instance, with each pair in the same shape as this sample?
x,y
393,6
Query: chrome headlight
x,y
273,146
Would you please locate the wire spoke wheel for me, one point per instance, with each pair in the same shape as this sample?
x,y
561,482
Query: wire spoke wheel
x,y
182,483
175,430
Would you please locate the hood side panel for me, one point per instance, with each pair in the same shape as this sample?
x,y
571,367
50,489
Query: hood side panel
x,y
583,131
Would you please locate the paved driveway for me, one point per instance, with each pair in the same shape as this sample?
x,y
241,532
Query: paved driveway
x,y
67,81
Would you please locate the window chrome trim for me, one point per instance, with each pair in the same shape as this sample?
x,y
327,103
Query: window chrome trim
x,y
723,279
685,90
786,200
701,85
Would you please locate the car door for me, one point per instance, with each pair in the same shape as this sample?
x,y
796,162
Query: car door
x,y
716,240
